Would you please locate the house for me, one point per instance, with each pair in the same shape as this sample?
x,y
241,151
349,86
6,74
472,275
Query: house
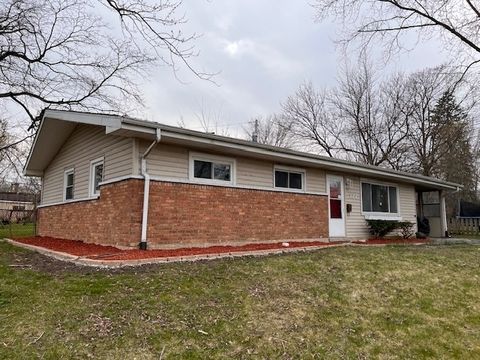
x,y
16,206
116,180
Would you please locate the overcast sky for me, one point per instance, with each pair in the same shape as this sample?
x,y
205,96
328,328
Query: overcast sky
x,y
263,51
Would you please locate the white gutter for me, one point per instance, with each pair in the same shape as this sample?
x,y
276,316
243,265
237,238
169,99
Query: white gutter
x,y
146,190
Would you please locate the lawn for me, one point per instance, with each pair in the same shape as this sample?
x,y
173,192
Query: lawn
x,y
362,302
17,230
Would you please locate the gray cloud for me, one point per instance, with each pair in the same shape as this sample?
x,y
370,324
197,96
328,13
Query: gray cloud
x,y
263,50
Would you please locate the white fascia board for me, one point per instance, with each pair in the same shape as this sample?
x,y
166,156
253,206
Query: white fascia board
x,y
130,128
84,118
27,172
325,163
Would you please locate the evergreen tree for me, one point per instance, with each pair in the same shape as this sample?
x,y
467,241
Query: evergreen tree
x,y
453,158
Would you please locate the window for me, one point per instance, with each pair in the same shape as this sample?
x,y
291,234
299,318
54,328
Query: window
x,y
379,198
68,181
211,169
288,179
96,176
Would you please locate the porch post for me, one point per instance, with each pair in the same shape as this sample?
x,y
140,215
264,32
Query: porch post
x,y
443,214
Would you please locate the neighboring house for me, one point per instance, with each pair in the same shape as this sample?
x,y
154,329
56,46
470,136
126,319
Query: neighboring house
x,y
15,206
116,180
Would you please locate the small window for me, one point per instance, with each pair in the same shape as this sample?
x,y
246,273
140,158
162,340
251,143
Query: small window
x,y
212,170
96,176
68,184
288,179
379,198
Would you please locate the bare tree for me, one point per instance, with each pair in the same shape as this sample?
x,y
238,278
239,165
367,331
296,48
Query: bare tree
x,y
273,130
455,23
362,119
309,120
210,119
425,88
13,150
374,116
69,54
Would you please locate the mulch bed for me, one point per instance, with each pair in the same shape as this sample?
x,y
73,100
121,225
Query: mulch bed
x,y
105,253
100,252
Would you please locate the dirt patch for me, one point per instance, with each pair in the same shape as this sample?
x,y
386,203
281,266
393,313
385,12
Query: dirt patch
x,y
41,263
72,247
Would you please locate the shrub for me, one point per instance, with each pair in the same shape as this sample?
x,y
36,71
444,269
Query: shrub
x,y
406,229
380,228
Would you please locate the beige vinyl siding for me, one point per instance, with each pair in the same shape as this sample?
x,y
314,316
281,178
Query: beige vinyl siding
x,y
85,144
356,226
166,160
255,173
315,180
172,162
408,207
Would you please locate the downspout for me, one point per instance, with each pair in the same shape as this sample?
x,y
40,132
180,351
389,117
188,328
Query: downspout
x,y
146,190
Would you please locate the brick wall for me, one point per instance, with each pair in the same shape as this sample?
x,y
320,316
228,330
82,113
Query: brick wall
x,y
113,219
198,214
186,214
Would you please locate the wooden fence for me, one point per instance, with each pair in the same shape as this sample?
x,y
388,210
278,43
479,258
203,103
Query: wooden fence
x,y
464,226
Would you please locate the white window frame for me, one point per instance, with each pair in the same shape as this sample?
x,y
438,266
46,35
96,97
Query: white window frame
x,y
213,159
290,169
65,176
99,161
376,215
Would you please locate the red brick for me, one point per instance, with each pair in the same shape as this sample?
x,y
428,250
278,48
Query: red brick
x,y
186,214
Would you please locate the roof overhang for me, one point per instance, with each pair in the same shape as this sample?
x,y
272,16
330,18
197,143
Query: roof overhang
x,y
56,126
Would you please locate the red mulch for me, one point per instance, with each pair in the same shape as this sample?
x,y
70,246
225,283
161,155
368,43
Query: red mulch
x,y
101,252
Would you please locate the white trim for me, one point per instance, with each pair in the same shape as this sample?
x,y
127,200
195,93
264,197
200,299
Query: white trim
x,y
375,215
16,202
25,171
68,202
291,169
121,178
192,156
342,207
382,216
84,117
91,183
67,172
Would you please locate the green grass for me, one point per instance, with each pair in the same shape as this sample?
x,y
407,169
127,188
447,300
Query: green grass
x,y
466,236
349,302
17,230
